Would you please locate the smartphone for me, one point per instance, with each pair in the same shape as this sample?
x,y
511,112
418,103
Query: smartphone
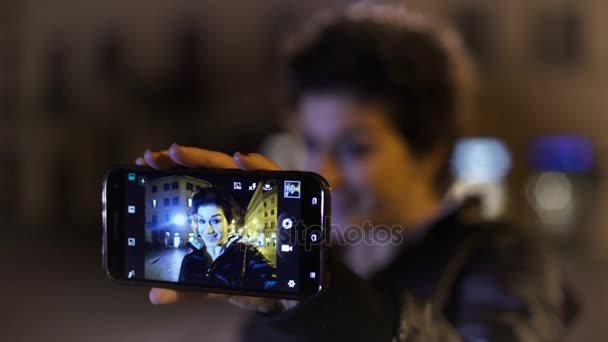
x,y
253,233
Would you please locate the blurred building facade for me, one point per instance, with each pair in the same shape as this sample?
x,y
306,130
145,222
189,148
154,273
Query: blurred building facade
x,y
84,84
100,82
11,19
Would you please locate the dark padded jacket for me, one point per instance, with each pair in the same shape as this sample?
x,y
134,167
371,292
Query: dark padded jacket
x,y
464,280
241,265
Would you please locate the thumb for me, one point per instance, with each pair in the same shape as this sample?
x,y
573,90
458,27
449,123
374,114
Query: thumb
x,y
254,161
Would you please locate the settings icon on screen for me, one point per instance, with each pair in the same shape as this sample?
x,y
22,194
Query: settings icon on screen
x,y
291,283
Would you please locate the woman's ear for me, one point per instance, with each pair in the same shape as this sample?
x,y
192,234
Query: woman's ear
x,y
437,165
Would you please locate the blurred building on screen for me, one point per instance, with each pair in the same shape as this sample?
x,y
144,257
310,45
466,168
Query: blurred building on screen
x,y
169,209
261,216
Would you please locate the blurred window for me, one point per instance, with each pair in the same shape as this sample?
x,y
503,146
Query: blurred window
x,y
556,36
481,160
562,153
110,55
473,23
56,88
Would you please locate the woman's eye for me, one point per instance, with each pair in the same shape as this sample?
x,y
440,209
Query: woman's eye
x,y
355,150
310,144
215,222
201,221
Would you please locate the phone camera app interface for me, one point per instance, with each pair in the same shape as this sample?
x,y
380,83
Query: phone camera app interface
x,y
217,232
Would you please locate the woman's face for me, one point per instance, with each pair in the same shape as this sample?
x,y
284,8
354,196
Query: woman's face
x,y
367,163
212,225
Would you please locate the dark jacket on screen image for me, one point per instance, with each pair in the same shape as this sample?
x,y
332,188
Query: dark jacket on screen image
x,y
241,265
463,280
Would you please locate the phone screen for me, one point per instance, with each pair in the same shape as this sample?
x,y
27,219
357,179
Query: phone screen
x,y
235,231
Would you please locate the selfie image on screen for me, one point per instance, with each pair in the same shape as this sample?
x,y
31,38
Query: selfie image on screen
x,y
198,232
215,231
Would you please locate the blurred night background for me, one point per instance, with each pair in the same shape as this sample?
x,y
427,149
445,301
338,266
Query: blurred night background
x,y
86,84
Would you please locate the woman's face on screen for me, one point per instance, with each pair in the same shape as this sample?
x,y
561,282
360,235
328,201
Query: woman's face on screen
x,y
212,224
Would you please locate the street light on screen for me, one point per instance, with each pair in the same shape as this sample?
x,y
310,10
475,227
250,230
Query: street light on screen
x,y
179,219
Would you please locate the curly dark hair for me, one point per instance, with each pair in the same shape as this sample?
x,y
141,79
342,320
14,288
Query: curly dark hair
x,y
393,58
219,197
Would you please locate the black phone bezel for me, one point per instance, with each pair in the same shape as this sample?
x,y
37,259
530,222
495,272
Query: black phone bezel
x,y
113,245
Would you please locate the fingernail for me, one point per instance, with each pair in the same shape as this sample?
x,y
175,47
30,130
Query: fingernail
x,y
153,296
147,152
173,149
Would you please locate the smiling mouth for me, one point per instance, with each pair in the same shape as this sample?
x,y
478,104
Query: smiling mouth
x,y
212,236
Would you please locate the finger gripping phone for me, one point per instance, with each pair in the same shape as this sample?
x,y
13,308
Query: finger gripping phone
x,y
253,233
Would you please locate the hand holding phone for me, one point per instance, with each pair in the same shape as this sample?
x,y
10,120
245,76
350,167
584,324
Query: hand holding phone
x,y
196,158
192,157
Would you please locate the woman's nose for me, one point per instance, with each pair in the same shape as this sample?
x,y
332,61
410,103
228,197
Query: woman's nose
x,y
210,229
